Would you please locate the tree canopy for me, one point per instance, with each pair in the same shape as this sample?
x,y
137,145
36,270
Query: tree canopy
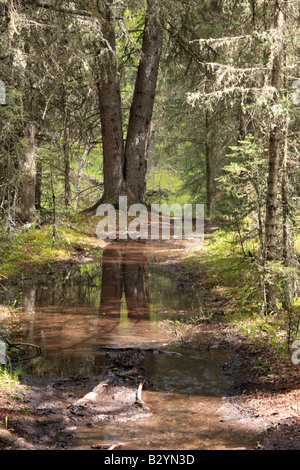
x,y
189,101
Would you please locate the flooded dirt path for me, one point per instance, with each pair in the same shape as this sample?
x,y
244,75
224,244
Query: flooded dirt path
x,y
134,395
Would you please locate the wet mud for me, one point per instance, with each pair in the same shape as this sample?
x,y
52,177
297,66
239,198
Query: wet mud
x,y
118,366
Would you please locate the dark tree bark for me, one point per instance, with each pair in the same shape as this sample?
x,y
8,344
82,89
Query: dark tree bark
x,y
38,185
110,111
207,168
66,149
274,163
26,211
125,168
142,106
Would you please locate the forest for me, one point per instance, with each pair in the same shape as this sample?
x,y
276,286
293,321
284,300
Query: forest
x,y
160,344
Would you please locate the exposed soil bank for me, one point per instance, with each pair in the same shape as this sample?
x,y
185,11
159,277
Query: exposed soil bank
x,y
46,413
267,400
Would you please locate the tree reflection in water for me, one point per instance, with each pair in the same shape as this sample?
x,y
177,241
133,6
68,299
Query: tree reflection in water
x,y
125,281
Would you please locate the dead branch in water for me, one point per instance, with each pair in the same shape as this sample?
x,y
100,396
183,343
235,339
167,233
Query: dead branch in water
x,y
12,345
142,350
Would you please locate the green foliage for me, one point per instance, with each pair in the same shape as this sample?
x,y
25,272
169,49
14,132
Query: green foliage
x,y
244,178
225,262
9,377
34,247
164,185
224,268
297,244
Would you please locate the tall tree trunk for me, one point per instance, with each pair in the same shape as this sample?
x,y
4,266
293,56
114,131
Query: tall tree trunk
x,y
274,162
125,168
26,211
66,148
207,167
110,111
286,233
285,198
38,185
142,105
67,165
290,283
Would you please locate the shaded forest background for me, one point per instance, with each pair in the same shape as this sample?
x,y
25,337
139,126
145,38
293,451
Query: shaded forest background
x,y
166,101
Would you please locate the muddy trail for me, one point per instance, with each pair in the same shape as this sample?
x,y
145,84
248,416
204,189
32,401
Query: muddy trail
x,y
117,366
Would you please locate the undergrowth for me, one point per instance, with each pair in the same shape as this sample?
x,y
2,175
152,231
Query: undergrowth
x,y
9,377
33,246
229,265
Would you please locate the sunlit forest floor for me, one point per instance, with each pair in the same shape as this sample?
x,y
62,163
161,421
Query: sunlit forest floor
x,y
264,383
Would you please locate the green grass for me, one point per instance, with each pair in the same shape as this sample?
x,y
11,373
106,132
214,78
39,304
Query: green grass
x,y
297,244
223,262
9,378
221,266
33,248
166,179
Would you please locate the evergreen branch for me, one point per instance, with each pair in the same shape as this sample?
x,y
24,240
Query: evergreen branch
x,y
62,10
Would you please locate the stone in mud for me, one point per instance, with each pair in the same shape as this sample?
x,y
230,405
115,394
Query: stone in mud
x,y
9,441
117,397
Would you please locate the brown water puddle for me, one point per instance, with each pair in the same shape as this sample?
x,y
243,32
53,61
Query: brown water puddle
x,y
178,423
119,304
184,402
